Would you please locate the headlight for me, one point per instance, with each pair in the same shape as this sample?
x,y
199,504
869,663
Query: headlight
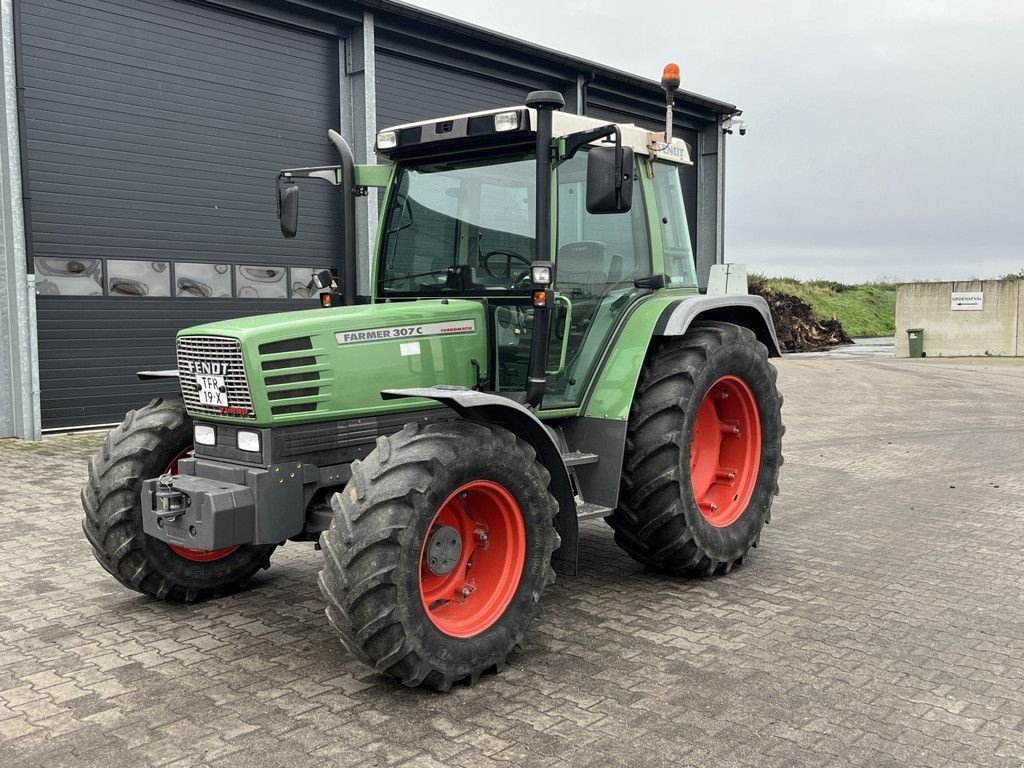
x,y
387,140
248,441
506,121
204,434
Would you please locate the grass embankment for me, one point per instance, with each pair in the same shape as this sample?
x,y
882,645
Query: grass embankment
x,y
865,309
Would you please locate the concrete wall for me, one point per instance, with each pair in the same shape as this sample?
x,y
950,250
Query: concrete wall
x,y
997,329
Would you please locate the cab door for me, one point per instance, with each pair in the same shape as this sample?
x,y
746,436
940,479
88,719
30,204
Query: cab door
x,y
597,259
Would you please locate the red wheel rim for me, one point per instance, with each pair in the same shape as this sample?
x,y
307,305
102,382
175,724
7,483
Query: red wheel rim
x,y
472,558
195,555
725,452
172,468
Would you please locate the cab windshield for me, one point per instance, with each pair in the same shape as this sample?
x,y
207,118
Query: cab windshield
x,y
463,227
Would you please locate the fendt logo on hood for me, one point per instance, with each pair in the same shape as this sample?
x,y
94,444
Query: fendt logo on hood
x,y
207,368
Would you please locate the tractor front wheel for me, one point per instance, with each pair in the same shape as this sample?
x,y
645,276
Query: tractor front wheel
x,y
703,452
438,552
148,443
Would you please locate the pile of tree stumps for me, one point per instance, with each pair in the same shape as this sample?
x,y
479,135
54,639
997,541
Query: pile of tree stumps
x,y
797,327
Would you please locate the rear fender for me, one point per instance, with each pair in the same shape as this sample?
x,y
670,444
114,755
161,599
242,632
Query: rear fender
x,y
749,311
488,408
664,316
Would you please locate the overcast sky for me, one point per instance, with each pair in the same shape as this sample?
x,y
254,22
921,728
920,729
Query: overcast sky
x,y
885,136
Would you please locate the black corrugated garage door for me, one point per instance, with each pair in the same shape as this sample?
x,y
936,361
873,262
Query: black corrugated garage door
x,y
155,130
410,89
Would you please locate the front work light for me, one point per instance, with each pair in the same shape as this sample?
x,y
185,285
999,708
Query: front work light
x,y
323,279
387,140
540,273
506,121
204,434
248,441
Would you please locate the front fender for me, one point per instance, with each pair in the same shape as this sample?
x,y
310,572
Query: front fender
x,y
489,408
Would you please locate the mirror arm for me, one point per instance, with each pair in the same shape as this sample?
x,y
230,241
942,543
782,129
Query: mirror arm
x,y
328,173
618,166
574,141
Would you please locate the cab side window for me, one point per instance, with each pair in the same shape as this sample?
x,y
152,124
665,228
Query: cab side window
x,y
675,232
596,252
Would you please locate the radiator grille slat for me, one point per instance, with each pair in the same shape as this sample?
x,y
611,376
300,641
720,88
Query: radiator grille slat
x,y
214,349
299,348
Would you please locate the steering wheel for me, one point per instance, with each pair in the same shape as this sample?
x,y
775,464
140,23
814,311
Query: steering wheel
x,y
509,258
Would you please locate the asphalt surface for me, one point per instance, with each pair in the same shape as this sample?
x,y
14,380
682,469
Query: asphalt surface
x,y
880,623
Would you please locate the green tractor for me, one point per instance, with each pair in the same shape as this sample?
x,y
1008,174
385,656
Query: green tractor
x,y
533,350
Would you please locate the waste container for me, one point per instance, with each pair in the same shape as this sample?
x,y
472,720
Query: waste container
x,y
915,339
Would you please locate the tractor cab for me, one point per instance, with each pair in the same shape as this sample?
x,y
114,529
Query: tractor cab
x,y
462,219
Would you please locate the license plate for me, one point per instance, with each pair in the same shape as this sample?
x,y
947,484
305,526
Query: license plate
x,y
212,390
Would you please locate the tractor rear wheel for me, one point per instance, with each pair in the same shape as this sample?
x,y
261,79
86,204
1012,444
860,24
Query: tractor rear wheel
x,y
438,552
148,443
703,452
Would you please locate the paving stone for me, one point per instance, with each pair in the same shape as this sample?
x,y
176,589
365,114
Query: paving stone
x,y
879,623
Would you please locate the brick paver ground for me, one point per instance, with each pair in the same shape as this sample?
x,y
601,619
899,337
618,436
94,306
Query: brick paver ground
x,y
880,623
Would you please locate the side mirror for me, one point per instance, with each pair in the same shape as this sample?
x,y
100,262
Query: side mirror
x,y
609,179
288,208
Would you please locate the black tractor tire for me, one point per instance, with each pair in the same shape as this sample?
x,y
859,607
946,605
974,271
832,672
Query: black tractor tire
x,y
658,520
375,551
144,446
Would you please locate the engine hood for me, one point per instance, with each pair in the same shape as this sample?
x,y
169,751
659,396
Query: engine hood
x,y
322,364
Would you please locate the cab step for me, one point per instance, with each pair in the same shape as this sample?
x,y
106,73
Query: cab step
x,y
586,509
578,458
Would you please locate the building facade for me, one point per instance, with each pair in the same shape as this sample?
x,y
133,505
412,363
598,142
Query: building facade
x,y
141,139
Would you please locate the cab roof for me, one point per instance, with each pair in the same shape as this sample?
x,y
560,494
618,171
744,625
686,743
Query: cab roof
x,y
478,128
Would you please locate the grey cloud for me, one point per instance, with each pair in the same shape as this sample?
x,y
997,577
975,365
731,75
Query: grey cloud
x,y
883,135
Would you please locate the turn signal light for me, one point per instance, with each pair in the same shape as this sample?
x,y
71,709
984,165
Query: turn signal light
x,y
325,299
540,298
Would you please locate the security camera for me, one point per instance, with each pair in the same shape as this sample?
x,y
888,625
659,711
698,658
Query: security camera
x,y
734,123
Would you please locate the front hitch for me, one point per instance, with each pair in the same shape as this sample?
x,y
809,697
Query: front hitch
x,y
168,503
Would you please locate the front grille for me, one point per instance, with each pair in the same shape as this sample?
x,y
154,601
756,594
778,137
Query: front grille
x,y
196,353
284,378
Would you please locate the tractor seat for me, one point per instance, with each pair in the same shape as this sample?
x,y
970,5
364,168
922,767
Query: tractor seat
x,y
582,268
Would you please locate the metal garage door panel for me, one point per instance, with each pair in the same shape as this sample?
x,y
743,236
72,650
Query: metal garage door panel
x,y
155,130
89,367
409,90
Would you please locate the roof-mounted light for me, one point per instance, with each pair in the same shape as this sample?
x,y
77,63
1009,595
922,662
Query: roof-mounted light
x,y
387,140
670,77
506,121
669,83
